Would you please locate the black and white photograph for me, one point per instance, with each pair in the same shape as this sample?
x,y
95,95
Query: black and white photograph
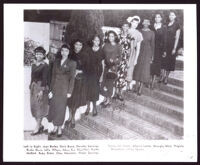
x,y
93,82
103,74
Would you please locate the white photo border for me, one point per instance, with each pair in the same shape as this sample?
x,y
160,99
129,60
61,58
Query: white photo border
x,y
13,138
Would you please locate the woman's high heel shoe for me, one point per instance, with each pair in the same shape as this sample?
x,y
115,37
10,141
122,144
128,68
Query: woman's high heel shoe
x,y
161,80
106,105
40,130
165,81
94,112
115,97
59,134
87,111
120,98
103,102
139,93
52,133
67,123
72,124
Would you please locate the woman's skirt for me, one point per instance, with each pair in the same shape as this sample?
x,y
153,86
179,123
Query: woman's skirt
x,y
108,83
78,97
58,103
131,67
121,74
169,62
39,106
93,88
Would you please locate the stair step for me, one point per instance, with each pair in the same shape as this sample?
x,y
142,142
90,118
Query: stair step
x,y
134,123
176,82
169,88
81,132
179,65
63,137
108,128
161,95
148,114
173,111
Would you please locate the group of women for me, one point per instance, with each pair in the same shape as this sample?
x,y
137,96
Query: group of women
x,y
80,73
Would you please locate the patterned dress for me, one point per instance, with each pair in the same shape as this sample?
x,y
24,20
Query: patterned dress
x,y
39,82
123,66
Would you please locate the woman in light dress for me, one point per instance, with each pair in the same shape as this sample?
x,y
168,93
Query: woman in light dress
x,y
136,39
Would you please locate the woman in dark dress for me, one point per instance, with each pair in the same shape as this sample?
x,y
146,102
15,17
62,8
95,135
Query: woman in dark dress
x,y
125,42
112,52
39,89
160,48
93,73
173,34
78,97
142,68
62,85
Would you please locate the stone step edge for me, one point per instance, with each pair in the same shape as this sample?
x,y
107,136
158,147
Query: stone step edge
x,y
135,126
176,82
78,134
156,105
163,96
160,120
110,131
169,88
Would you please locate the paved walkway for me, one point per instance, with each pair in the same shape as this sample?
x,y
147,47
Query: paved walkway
x,y
27,136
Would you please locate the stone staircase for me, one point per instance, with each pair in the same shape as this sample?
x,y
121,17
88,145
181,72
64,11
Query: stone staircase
x,y
156,114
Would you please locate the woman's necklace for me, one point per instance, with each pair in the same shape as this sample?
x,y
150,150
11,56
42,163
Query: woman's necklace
x,y
38,63
145,29
171,23
124,33
157,25
95,48
63,60
113,43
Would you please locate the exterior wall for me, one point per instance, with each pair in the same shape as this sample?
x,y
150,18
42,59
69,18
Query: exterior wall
x,y
57,34
57,31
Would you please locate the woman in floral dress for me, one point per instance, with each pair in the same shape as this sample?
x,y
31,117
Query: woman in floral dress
x,y
125,40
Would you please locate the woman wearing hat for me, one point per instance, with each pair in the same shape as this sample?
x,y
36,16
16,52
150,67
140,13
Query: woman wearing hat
x,y
173,34
125,42
39,89
136,39
142,68
62,85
